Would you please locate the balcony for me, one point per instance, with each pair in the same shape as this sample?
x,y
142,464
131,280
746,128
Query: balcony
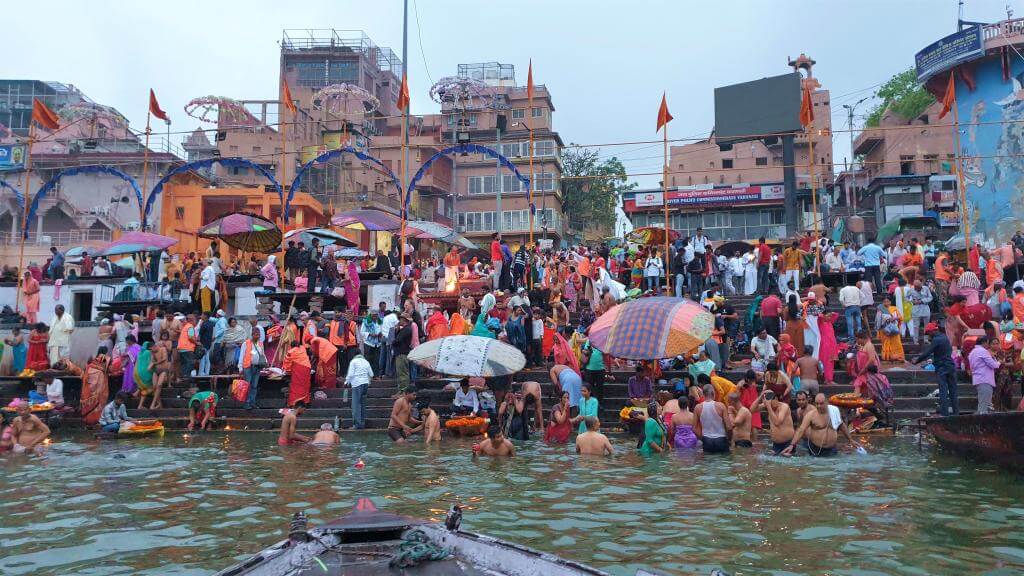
x,y
61,239
868,140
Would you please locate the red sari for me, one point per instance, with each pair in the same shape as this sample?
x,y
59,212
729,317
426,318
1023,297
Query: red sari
x,y
557,433
95,389
296,364
828,347
37,358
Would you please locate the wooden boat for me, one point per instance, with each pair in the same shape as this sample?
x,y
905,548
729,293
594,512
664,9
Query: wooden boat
x,y
368,541
996,437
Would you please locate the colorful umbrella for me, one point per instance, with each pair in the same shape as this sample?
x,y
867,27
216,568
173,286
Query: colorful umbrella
x,y
426,230
134,242
652,328
651,235
468,356
326,236
247,232
376,220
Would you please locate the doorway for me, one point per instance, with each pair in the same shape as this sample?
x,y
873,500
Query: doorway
x,y
81,306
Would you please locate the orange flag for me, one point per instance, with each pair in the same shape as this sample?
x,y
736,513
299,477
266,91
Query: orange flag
x,y
289,103
44,116
949,100
664,117
403,94
154,108
529,81
806,107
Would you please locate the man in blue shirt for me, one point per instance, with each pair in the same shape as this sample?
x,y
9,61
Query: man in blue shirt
x,y
941,352
872,255
56,269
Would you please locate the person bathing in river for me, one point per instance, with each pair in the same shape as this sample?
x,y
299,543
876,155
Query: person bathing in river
x,y
495,445
202,407
431,423
741,422
402,424
821,426
712,423
779,419
325,436
288,424
592,442
28,432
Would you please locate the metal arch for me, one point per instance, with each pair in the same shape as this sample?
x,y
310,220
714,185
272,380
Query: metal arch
x,y
468,149
52,182
297,181
206,163
17,193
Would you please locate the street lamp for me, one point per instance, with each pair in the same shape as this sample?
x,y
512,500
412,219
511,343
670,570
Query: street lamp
x,y
850,199
544,197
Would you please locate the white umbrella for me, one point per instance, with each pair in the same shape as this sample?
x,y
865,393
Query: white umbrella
x,y
469,356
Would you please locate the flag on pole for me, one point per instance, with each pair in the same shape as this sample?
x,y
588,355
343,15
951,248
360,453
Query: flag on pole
x,y
289,103
529,81
664,117
154,108
403,94
806,107
949,100
44,116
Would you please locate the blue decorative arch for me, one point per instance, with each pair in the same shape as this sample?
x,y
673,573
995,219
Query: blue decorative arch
x,y
466,149
297,181
17,194
49,185
230,162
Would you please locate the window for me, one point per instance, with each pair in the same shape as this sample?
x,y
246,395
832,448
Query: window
x,y
545,181
726,162
239,170
906,165
488,220
761,161
542,148
536,112
179,213
232,148
466,120
257,149
515,149
518,113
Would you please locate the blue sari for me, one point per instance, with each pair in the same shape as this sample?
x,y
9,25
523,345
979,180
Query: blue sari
x,y
19,355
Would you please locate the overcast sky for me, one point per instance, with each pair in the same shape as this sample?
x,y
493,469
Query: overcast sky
x,y
605,62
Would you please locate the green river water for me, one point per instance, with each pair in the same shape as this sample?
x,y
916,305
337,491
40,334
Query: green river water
x,y
177,506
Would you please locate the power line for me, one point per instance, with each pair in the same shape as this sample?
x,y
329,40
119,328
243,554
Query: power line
x,y
419,38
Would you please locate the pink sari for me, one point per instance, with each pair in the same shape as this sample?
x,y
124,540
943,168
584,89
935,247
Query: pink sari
x,y
828,348
352,287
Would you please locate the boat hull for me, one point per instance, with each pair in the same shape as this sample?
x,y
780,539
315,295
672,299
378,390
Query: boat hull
x,y
996,437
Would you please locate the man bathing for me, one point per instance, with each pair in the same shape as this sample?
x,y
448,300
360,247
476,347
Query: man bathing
x,y
402,424
741,422
28,432
592,442
712,423
495,445
325,436
288,424
431,423
821,426
779,418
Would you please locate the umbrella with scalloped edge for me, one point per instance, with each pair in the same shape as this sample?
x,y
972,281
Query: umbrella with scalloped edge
x,y
245,231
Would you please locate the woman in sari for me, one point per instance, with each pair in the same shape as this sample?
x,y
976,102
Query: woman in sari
x,y
813,309
30,287
105,335
144,373
889,321
18,350
955,325
572,287
296,364
129,358
95,387
794,322
858,366
37,359
326,363
557,431
457,325
352,287
828,350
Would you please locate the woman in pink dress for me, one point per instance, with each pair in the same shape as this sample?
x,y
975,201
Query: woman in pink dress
x,y
828,348
352,287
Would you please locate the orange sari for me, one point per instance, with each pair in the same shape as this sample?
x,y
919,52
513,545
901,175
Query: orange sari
x,y
95,389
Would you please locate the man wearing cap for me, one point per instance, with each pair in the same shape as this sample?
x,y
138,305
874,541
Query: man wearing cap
x,y
520,298
940,351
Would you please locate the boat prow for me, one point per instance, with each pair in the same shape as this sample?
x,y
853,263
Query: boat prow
x,y
996,437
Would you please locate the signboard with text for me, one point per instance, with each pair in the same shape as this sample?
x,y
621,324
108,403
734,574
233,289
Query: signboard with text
x,y
12,157
954,49
710,196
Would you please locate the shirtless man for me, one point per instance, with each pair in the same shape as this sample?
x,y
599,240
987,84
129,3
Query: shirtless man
x,y
288,423
802,401
495,445
809,371
531,388
466,305
325,436
27,431
431,423
779,417
592,442
822,426
741,422
607,300
402,424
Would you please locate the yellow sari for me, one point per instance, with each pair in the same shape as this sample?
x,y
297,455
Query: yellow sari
x,y
892,345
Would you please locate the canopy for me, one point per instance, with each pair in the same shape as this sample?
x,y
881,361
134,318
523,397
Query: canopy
x,y
956,242
326,236
651,235
247,232
652,328
367,219
426,230
469,356
134,242
349,253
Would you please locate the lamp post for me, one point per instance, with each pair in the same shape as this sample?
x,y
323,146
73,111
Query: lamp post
x,y
851,198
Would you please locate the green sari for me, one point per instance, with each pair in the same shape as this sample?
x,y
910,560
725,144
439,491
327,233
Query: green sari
x,y
143,374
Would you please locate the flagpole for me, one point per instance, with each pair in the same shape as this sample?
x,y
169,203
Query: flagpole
x,y
965,212
814,199
529,89
664,201
284,157
405,135
27,190
145,158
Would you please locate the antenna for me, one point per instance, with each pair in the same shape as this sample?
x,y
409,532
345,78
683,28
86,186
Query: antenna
x,y
1009,11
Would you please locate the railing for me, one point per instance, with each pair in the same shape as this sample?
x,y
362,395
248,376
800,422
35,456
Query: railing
x,y
142,291
59,239
1004,28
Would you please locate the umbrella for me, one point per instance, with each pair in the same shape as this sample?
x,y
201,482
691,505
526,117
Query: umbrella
x,y
349,253
128,263
956,242
376,220
326,236
134,242
469,356
245,231
426,230
651,235
652,328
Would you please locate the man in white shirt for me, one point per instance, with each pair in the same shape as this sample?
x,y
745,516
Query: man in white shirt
x,y
736,270
59,345
466,399
520,299
208,287
764,346
849,298
358,378
700,242
833,261
388,327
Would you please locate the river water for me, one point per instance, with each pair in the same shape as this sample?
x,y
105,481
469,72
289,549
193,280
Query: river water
x,y
192,506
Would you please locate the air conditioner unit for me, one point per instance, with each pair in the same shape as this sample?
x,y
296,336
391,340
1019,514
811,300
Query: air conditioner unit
x,y
45,240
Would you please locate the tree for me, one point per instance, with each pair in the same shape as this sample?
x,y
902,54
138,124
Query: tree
x,y
903,95
591,189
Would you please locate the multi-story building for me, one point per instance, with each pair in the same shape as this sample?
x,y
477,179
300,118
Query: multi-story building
x,y
737,193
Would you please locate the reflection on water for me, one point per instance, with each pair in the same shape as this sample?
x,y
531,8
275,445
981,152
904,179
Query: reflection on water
x,y
176,506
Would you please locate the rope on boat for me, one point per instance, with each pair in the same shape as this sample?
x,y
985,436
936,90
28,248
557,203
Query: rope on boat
x,y
417,547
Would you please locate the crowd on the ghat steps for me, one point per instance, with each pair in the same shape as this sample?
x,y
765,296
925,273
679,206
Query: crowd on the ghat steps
x,y
542,302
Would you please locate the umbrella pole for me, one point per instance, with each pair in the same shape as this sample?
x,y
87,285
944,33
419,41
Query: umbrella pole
x,y
280,345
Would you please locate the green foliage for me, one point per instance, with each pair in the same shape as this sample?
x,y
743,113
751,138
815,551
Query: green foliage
x,y
903,95
591,189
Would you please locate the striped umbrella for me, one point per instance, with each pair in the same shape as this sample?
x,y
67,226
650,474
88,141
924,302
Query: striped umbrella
x,y
134,242
367,219
245,231
652,328
469,356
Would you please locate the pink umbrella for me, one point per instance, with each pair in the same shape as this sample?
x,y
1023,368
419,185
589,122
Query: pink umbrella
x,y
652,328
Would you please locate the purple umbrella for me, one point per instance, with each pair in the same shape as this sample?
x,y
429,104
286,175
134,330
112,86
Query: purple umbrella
x,y
247,232
375,220
134,242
